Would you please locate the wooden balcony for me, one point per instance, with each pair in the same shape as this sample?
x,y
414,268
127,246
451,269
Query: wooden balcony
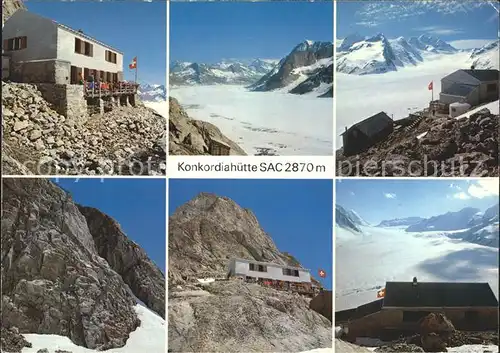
x,y
95,90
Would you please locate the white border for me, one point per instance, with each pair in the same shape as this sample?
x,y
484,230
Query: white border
x,y
250,167
167,88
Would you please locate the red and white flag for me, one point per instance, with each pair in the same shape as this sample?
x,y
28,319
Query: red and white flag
x,y
133,64
322,273
381,293
431,85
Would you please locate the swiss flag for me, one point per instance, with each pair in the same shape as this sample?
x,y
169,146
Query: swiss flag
x,y
133,64
322,273
431,85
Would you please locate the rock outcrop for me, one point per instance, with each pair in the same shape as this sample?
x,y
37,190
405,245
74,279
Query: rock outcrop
x,y
53,279
237,317
45,142
313,61
232,315
193,137
207,231
127,258
450,147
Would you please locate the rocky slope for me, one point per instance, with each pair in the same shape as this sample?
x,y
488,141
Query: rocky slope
x,y
231,316
450,147
236,72
39,140
207,231
192,137
9,7
54,280
308,68
378,54
127,259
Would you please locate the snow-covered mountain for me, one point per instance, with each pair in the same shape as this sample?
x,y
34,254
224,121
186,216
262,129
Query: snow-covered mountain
x,y
448,221
399,222
484,229
239,72
468,224
348,219
378,54
152,92
308,68
486,57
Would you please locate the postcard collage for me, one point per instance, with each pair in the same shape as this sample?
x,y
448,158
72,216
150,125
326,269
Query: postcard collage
x,y
231,176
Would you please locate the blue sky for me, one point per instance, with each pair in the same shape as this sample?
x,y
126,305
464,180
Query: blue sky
x,y
208,32
138,205
297,214
136,28
464,23
377,200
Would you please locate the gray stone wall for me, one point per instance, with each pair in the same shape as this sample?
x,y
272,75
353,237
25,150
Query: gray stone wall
x,y
68,100
41,71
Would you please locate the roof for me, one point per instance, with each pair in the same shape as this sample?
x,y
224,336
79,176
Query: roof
x,y
270,264
74,31
439,295
372,125
484,75
459,90
368,309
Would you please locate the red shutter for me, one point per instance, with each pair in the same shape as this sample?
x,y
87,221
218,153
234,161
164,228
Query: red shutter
x,y
24,42
5,44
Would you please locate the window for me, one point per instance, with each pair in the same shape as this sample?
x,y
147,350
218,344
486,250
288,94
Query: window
x,y
290,272
491,87
110,56
17,43
83,47
258,268
414,316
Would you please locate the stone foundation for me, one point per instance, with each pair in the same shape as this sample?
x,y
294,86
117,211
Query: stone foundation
x,y
95,106
46,71
68,100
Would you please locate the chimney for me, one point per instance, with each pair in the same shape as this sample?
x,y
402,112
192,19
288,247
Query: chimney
x,y
472,67
80,31
415,281
345,128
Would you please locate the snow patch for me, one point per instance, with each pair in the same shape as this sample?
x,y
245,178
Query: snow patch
x,y
148,337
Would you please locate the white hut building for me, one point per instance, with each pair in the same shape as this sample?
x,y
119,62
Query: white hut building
x,y
251,269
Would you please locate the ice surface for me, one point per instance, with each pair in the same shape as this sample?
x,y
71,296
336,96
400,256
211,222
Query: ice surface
x,y
287,123
397,92
364,262
148,337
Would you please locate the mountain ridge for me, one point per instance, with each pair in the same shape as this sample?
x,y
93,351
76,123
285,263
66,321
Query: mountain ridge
x,y
363,55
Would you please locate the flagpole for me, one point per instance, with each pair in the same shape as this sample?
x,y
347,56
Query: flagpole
x,y
135,70
432,98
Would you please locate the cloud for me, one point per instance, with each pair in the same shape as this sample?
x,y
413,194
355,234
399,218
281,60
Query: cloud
x,y
437,30
470,43
367,24
389,195
461,195
352,193
383,11
484,188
